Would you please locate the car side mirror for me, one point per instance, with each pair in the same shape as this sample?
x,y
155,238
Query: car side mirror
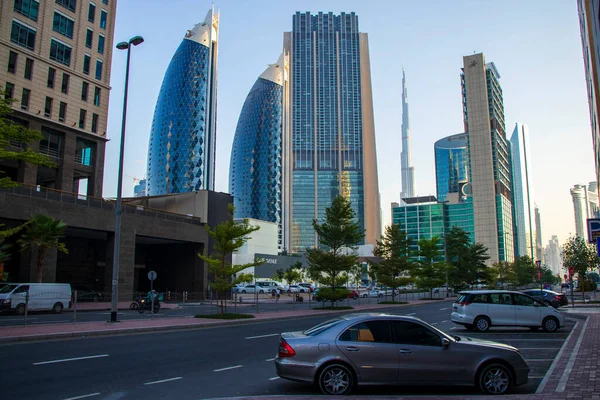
x,y
445,342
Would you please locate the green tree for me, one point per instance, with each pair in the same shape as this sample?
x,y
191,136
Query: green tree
x,y
395,258
43,232
278,275
500,272
13,132
294,273
467,261
548,276
525,270
340,231
228,236
580,255
431,268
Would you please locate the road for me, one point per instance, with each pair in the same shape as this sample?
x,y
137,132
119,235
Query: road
x,y
210,363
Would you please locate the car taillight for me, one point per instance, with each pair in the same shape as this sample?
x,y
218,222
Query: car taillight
x,y
285,350
558,297
464,303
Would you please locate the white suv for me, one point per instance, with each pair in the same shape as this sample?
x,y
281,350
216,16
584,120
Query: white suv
x,y
481,309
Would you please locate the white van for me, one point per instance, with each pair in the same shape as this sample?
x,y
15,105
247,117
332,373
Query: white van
x,y
271,285
42,297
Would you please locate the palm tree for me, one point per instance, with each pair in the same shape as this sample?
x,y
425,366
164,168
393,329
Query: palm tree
x,y
44,232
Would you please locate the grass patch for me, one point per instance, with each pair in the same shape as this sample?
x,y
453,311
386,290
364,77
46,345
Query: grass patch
x,y
430,298
224,316
393,302
334,308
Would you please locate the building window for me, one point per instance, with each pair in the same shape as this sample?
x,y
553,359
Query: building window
x,y
99,69
12,61
82,113
62,112
28,8
48,107
92,12
68,4
60,52
51,74
89,37
96,96
65,84
63,24
84,152
103,19
100,44
87,59
104,1
25,99
94,123
9,91
22,35
50,143
84,91
28,68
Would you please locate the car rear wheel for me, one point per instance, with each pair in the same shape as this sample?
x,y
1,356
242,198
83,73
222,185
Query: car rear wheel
x,y
261,292
481,324
336,379
494,379
57,309
550,324
243,291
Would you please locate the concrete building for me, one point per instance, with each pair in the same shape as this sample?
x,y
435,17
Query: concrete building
x,y
589,24
489,157
263,241
452,168
539,249
553,257
56,58
407,168
585,205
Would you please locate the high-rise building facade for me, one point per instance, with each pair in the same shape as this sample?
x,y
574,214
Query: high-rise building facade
x,y
181,151
585,205
539,249
451,168
523,205
56,58
553,257
256,165
489,157
332,146
589,24
407,169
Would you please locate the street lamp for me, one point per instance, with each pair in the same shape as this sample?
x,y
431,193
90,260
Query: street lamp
x,y
118,207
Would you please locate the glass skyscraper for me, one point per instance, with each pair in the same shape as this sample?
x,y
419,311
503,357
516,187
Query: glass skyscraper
x,y
255,169
181,152
451,167
332,147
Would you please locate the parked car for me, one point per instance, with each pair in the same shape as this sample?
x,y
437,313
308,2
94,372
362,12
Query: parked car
x,y
37,296
375,349
309,287
252,289
549,297
481,309
84,293
295,289
269,286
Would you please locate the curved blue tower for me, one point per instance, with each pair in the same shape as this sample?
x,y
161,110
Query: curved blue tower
x,y
255,169
181,151
451,165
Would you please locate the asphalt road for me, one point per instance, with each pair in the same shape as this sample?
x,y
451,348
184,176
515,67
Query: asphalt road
x,y
212,363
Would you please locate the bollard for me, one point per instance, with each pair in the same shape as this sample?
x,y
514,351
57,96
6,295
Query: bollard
x,y
168,295
26,305
235,303
75,306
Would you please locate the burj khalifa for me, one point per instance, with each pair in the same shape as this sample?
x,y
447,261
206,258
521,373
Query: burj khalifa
x,y
408,171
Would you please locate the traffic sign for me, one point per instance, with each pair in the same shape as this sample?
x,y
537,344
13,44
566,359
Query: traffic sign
x,y
571,271
593,225
152,275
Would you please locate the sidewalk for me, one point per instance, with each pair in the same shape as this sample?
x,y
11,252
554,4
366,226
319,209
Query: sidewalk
x,y
106,305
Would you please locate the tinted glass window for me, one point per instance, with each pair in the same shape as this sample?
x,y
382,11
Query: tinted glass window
x,y
500,298
370,331
480,298
462,298
22,289
521,300
412,333
322,327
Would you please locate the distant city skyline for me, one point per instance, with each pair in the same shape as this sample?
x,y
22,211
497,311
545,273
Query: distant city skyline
x,y
407,168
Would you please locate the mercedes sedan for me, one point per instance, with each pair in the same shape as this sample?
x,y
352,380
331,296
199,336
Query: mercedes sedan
x,y
382,349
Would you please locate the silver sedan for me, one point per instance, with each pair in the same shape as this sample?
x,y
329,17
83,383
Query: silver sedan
x,y
381,349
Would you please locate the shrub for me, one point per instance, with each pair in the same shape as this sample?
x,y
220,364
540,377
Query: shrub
x,y
335,294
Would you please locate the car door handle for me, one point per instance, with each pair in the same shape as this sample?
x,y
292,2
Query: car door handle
x,y
352,348
404,351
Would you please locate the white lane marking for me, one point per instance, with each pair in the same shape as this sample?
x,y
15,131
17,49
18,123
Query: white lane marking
x,y
272,379
227,368
539,359
434,323
270,359
442,309
262,336
70,359
444,321
83,396
163,380
408,315
567,372
15,319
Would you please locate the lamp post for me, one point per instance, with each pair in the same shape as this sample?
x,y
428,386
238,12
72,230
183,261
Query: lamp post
x,y
118,207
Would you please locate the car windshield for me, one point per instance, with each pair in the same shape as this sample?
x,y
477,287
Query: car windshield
x,y
8,288
322,327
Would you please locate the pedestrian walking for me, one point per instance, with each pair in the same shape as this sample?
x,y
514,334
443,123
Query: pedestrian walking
x,y
278,294
273,293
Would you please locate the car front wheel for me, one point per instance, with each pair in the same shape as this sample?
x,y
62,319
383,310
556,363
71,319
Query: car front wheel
x,y
550,324
336,379
494,379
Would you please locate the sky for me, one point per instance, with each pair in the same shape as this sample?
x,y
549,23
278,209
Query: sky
x,y
535,45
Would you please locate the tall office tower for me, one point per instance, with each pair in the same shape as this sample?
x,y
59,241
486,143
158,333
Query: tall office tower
x,y
589,23
489,157
408,171
181,151
256,165
553,257
585,205
451,168
332,147
522,192
56,58
539,250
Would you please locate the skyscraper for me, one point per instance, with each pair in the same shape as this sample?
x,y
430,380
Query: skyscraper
x,y
256,165
408,171
553,257
539,250
489,157
451,168
332,148
589,23
585,205
522,192
181,151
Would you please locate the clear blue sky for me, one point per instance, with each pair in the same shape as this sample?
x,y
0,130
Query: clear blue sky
x,y
535,45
